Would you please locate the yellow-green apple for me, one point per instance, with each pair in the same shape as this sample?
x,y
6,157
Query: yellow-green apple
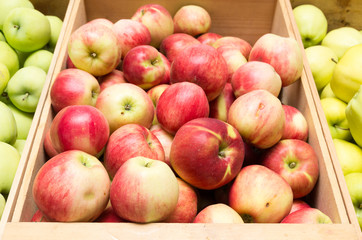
x,y
25,87
56,25
158,21
335,112
259,117
155,94
260,195
312,24
322,61
79,127
218,213
144,190
6,6
349,156
94,48
2,37
165,139
256,75
191,19
296,126
219,107
180,103
354,185
203,65
341,39
307,216
214,145
166,76
128,141
232,41
8,132
131,33
23,121
2,204
354,116
4,77
295,161
20,32
116,76
233,57
176,43
9,162
39,217
9,58
186,208
73,186
327,92
40,58
125,103
19,145
298,204
74,87
208,38
283,53
346,78
143,66
48,145
109,215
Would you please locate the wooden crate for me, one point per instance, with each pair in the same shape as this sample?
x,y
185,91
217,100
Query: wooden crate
x,y
60,9
248,19
339,14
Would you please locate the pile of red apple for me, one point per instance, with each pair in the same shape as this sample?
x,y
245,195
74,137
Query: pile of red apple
x,y
159,120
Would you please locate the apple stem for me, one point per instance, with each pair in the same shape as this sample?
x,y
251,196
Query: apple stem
x,y
334,60
25,97
127,107
155,61
148,164
292,165
93,55
16,26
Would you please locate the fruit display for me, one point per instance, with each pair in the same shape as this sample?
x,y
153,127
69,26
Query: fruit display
x,y
25,56
335,62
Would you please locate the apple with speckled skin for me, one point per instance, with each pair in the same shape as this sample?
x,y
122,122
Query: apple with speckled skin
x,y
231,41
176,43
307,216
192,19
208,38
233,57
218,213
296,126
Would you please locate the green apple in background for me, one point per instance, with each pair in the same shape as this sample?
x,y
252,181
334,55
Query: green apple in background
x,y
322,61
354,116
55,27
40,58
341,39
25,87
354,185
2,205
7,5
347,76
9,162
349,156
327,92
9,57
19,145
23,121
2,37
312,24
26,29
8,131
334,110
4,77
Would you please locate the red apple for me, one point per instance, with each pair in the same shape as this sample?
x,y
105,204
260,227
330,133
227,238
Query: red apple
x,y
73,186
180,103
48,145
260,195
191,19
166,76
218,213
203,146
38,217
128,141
283,53
295,161
233,57
73,87
102,21
165,139
116,76
203,65
155,94
144,190
256,75
237,42
208,38
69,63
109,215
298,204
307,216
79,127
259,117
219,107
296,126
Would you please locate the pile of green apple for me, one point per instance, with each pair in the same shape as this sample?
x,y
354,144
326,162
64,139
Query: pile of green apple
x,y
27,42
335,58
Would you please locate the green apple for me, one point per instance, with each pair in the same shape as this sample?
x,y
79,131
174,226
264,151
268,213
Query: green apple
x,y
4,97
312,24
347,76
322,61
19,145
25,87
2,205
327,92
349,156
354,185
23,121
341,39
7,5
9,57
40,58
26,29
9,162
8,131
2,37
354,116
334,110
4,77
55,27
